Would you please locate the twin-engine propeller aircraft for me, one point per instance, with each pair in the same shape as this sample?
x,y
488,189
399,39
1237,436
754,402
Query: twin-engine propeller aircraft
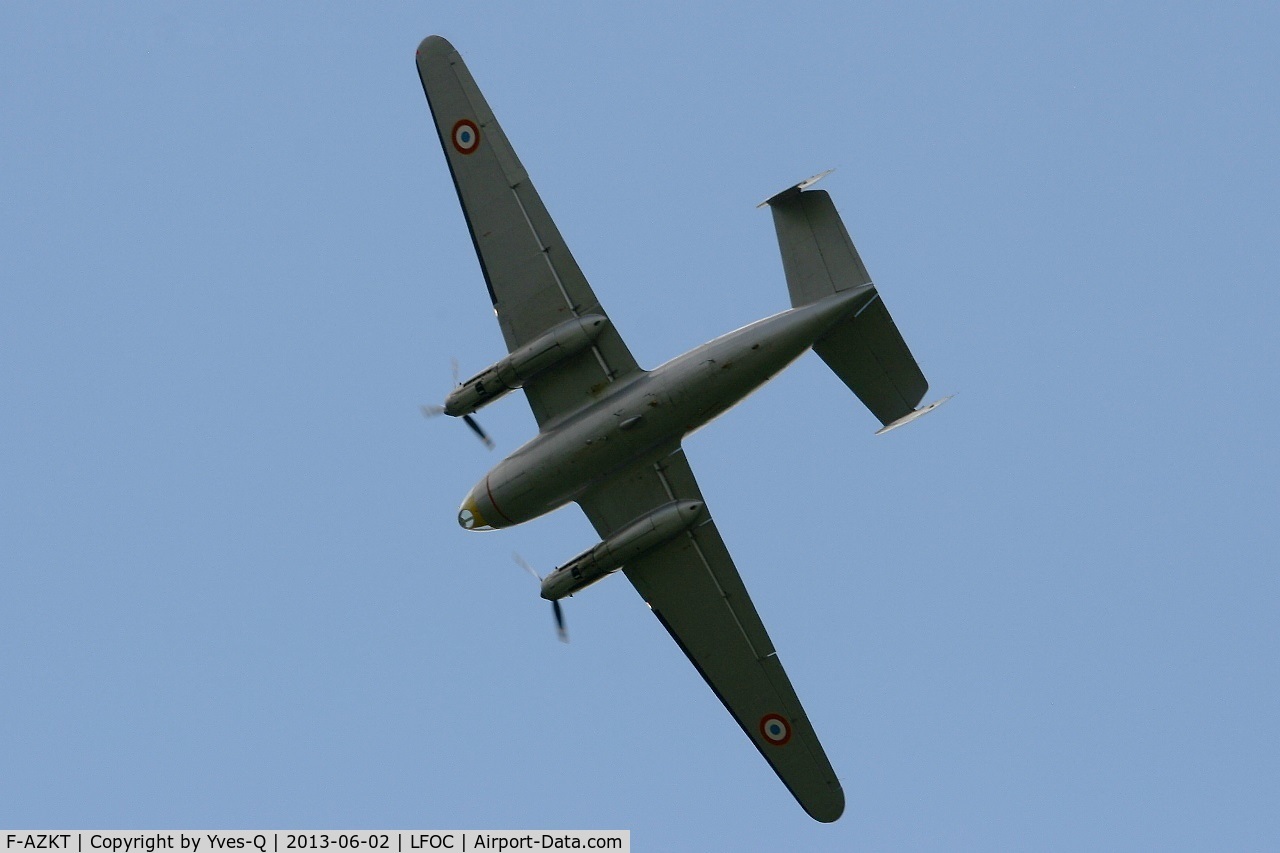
x,y
609,432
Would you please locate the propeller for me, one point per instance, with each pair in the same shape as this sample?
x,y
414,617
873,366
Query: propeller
x,y
435,411
561,631
480,433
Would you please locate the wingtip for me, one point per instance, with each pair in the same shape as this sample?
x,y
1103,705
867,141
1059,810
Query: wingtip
x,y
829,808
432,44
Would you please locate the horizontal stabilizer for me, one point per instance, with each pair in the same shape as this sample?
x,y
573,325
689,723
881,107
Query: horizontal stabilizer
x,y
869,355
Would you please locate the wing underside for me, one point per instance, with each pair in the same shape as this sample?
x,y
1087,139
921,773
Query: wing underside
x,y
533,280
693,587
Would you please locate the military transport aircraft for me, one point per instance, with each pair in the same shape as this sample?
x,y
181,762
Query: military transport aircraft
x,y
609,432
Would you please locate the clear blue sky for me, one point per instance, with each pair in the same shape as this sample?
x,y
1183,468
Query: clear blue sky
x,y
232,590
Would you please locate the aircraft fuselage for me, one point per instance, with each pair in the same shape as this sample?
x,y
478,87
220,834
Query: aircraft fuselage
x,y
653,409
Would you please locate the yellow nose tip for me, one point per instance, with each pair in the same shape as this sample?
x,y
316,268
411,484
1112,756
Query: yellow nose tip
x,y
469,517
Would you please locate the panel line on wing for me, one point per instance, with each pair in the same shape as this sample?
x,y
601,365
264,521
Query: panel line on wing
x,y
609,374
662,478
724,595
546,250
706,564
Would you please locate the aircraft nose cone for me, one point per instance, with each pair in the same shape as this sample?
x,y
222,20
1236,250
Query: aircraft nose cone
x,y
470,516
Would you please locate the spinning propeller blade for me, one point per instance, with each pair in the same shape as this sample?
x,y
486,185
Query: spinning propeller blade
x,y
561,631
475,427
528,568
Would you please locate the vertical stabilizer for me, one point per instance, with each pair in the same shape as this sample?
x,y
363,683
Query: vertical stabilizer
x,y
817,254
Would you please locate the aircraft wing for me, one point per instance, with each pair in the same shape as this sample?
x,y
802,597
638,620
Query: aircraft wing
x,y
533,280
694,589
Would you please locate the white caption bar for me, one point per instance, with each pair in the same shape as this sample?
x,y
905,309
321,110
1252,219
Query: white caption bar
x,y
310,841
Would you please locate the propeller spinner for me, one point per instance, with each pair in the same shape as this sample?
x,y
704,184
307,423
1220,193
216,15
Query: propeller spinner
x,y
431,411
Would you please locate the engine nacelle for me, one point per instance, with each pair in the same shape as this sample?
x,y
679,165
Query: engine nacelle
x,y
642,535
561,342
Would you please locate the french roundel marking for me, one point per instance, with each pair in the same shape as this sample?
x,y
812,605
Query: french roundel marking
x,y
775,729
466,136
